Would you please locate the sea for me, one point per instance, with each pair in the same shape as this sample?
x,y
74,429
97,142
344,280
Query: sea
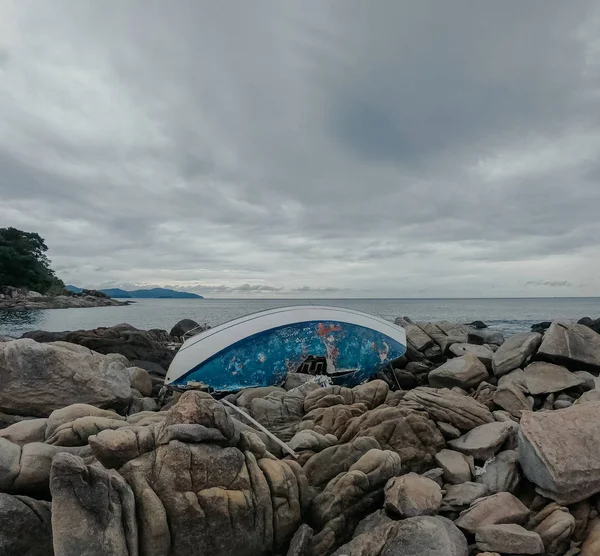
x,y
508,315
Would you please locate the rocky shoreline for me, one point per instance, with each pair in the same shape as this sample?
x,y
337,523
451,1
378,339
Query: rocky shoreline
x,y
16,299
470,444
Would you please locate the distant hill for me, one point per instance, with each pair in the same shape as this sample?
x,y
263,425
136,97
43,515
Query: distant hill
x,y
154,293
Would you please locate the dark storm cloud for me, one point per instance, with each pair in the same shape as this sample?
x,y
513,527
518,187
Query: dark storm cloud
x,y
389,148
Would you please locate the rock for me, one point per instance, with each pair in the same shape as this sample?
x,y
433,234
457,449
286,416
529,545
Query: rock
x,y
71,413
552,444
106,513
78,432
415,335
487,336
482,353
25,527
25,469
466,371
513,353
24,432
555,529
503,416
541,327
502,473
293,380
458,497
140,380
463,412
512,399
188,328
516,377
546,378
449,431
377,518
332,420
311,440
591,545
581,514
575,346
436,475
406,431
39,378
491,510
477,324
484,441
457,467
301,541
509,538
349,497
484,394
245,397
562,404
405,379
589,380
591,396
415,536
411,495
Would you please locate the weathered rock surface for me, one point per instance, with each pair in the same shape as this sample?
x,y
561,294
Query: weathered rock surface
x,y
39,378
484,441
512,399
415,536
495,509
546,378
463,412
575,346
513,353
481,352
555,525
591,546
466,371
509,539
25,527
411,495
502,474
559,451
458,497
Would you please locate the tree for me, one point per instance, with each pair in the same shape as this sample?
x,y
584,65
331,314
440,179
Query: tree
x,y
23,261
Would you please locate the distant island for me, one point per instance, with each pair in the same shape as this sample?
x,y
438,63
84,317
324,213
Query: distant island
x,y
153,293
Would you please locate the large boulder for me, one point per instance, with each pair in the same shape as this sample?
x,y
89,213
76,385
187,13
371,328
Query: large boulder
x,y
575,346
498,508
513,353
415,536
148,345
559,451
509,538
546,378
39,378
466,372
463,412
406,431
25,527
411,495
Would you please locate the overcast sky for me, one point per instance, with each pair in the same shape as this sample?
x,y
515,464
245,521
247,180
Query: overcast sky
x,y
307,148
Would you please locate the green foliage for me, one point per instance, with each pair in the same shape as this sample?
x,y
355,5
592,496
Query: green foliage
x,y
23,261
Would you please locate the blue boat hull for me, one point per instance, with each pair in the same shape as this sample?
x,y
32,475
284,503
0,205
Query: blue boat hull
x,y
265,358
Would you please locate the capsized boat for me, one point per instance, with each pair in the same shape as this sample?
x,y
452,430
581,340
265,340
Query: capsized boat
x,y
262,348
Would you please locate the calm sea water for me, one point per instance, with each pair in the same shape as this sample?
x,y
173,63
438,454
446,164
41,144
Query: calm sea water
x,y
509,315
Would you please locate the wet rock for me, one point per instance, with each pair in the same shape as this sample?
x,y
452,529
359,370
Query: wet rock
x,y
411,495
39,378
513,353
463,412
546,378
457,467
458,497
406,431
25,527
498,508
482,353
349,497
502,474
512,399
509,539
477,324
415,536
484,441
466,371
575,346
325,465
552,444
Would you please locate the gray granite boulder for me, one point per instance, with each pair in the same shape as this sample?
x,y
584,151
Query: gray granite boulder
x,y
546,378
466,372
484,441
513,353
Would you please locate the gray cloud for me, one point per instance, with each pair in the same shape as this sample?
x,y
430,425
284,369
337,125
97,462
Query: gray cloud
x,y
398,148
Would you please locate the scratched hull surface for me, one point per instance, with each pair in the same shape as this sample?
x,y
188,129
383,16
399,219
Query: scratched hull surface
x,y
265,357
